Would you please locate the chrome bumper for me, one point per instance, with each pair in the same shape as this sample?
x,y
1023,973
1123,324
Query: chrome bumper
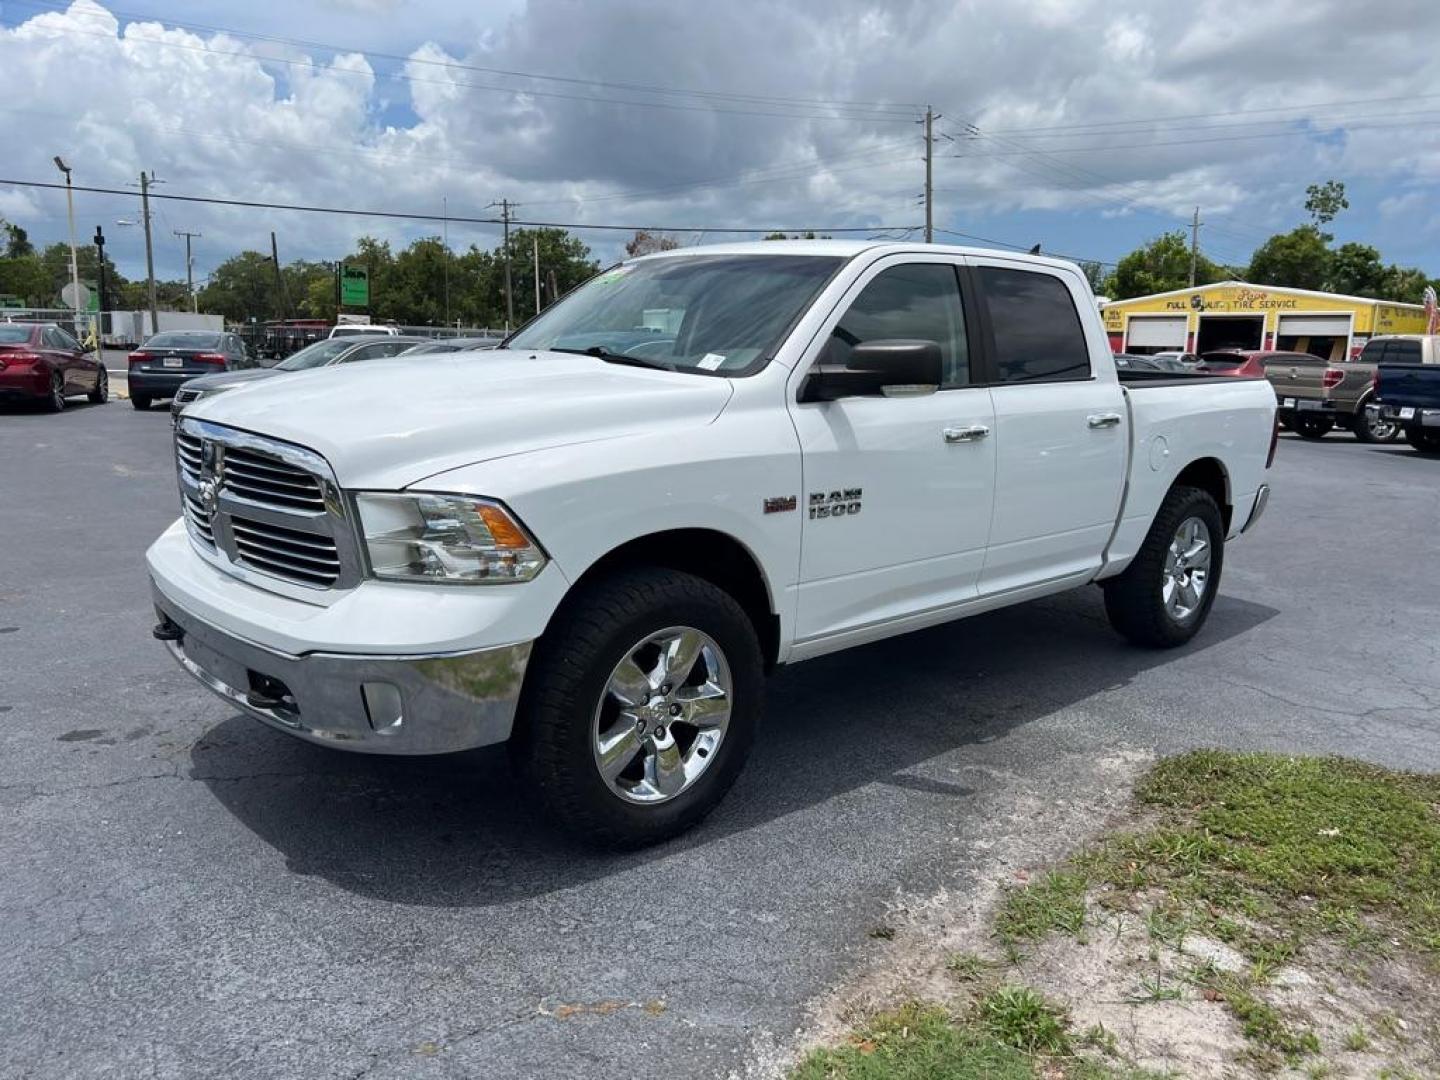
x,y
1262,500
374,704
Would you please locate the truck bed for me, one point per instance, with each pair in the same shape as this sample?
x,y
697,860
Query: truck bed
x,y
1409,385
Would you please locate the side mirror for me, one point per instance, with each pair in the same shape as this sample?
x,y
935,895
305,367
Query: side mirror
x,y
894,368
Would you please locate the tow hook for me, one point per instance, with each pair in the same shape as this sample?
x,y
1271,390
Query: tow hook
x,y
167,630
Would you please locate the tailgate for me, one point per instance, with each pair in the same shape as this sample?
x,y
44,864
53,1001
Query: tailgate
x,y
1298,378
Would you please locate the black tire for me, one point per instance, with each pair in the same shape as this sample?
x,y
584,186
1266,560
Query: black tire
x,y
140,401
1286,422
1313,427
1134,601
553,745
101,394
1426,440
1369,428
55,400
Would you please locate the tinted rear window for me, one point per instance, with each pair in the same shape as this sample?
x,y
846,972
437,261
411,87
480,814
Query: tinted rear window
x,y
1038,335
184,339
14,334
1403,352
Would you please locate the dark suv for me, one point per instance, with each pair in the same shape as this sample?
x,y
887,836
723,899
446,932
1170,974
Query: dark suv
x,y
170,359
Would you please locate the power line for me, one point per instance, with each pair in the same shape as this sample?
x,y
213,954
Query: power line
x,y
458,66
452,218
1020,247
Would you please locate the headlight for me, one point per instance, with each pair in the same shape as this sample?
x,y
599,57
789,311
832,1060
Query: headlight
x,y
460,539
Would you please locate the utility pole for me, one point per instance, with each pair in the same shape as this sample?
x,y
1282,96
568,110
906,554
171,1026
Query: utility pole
x,y
445,243
1195,224
189,267
146,179
74,263
279,278
536,240
929,175
506,206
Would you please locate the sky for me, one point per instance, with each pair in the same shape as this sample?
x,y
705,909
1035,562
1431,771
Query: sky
x,y
1088,126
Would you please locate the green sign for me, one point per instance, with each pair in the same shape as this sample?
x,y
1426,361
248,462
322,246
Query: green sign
x,y
354,286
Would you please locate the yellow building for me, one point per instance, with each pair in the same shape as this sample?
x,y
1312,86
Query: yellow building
x,y
1233,315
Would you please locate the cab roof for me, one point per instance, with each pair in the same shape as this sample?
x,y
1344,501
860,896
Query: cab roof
x,y
848,249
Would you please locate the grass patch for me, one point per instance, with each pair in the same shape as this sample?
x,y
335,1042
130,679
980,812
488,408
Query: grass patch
x,y
917,1042
1263,852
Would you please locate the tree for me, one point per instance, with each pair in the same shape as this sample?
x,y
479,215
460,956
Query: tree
x,y
1356,269
1406,284
1324,201
645,242
241,288
17,241
563,258
1095,274
1160,266
1298,259
809,234
27,278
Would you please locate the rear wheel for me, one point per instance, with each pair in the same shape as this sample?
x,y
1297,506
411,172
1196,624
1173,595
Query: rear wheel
x,y
101,393
640,706
1164,596
1427,441
140,401
1313,427
1370,427
55,399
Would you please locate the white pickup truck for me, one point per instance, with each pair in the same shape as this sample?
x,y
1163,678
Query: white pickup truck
x,y
594,542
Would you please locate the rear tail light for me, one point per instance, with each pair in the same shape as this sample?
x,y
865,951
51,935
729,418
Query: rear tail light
x,y
210,358
19,357
1332,378
139,356
1375,383
1274,441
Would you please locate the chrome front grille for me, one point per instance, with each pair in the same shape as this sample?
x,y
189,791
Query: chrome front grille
x,y
303,556
259,505
264,479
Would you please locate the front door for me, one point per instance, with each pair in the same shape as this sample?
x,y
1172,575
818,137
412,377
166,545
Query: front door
x,y
897,491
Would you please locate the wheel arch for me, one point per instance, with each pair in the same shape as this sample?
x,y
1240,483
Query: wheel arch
x,y
1210,475
709,554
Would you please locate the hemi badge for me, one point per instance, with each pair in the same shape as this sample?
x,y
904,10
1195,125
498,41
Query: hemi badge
x,y
779,504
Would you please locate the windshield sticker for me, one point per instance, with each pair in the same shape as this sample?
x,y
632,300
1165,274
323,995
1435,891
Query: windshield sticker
x,y
614,274
710,361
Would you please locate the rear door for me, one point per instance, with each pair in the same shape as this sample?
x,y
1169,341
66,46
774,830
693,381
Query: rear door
x,y
64,359
1061,427
897,491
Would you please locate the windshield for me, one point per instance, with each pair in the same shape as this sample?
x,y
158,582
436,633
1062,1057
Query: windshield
x,y
183,340
317,355
711,313
1222,361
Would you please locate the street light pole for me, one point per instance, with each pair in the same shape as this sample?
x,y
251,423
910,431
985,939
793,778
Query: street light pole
x,y
74,264
145,182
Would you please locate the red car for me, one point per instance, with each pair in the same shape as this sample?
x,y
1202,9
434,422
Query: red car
x,y
41,362
1243,364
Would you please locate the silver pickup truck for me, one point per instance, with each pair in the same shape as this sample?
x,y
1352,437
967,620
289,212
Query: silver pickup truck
x,y
1316,396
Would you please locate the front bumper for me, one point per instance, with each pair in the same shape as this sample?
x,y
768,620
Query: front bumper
x,y
425,704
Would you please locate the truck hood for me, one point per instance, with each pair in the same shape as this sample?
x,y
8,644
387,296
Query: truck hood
x,y
391,423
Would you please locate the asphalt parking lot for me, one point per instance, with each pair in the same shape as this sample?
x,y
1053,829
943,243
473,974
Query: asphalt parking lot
x,y
186,893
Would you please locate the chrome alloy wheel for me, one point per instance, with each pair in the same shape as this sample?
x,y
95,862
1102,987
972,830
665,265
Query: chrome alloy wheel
x,y
662,716
1187,569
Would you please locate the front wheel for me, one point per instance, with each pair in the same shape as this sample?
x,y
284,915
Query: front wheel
x,y
640,706
1370,427
101,394
1164,596
1313,427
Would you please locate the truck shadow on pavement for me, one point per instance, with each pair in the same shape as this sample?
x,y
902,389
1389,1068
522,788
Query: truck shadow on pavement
x,y
458,831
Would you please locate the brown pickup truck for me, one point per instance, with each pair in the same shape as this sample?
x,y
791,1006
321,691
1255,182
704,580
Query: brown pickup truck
x,y
1316,396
